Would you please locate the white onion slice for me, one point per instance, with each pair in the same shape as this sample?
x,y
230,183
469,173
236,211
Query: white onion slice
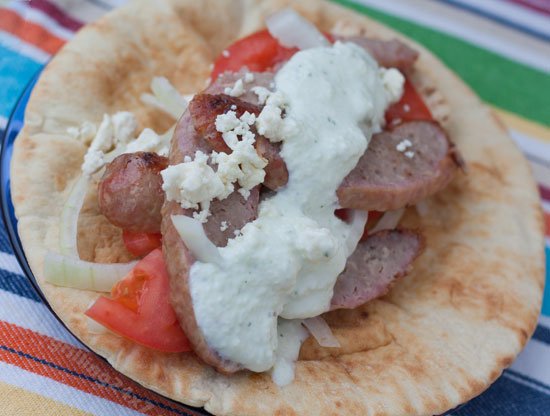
x,y
322,333
358,222
422,208
69,218
292,30
193,235
165,97
79,274
388,221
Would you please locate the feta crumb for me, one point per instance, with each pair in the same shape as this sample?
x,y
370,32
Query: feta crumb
x,y
406,108
409,154
85,133
262,94
149,141
224,226
270,122
237,90
248,77
393,82
403,145
226,54
233,107
237,233
193,184
244,192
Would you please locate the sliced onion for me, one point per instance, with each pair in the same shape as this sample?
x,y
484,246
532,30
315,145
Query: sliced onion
x,y
193,235
322,333
69,218
358,222
165,97
72,272
292,30
388,221
422,208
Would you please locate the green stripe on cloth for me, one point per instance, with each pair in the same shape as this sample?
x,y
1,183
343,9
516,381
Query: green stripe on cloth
x,y
496,79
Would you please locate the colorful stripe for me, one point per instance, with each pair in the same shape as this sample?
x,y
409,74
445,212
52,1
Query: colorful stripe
x,y
29,32
542,6
56,13
78,368
24,402
508,14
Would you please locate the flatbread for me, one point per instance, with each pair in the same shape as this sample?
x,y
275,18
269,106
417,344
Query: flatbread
x,y
439,338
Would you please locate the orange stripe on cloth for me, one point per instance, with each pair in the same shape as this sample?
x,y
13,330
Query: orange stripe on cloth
x,y
18,401
29,32
80,369
547,224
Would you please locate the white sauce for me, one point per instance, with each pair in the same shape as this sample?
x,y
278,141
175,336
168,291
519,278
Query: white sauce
x,y
285,263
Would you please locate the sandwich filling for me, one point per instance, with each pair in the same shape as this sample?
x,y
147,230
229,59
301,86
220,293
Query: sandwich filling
x,y
284,264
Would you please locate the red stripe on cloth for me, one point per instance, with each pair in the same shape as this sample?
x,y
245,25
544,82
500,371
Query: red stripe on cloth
x,y
537,5
29,32
544,192
79,369
56,14
547,224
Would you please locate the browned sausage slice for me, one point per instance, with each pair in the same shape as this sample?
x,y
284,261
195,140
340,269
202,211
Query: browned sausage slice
x,y
386,179
388,53
374,266
130,192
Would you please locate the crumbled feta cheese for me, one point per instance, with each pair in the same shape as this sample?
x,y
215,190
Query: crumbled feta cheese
x,y
233,107
114,131
226,54
248,77
192,183
393,82
409,154
262,94
270,123
149,141
237,233
224,226
237,90
85,133
403,145
406,108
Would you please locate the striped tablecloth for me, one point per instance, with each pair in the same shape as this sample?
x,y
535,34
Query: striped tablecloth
x,y
500,48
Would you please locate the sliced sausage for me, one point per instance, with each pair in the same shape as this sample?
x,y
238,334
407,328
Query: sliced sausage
x,y
388,53
375,266
234,210
386,179
130,192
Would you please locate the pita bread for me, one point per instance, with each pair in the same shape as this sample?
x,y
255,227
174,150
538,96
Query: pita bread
x,y
439,338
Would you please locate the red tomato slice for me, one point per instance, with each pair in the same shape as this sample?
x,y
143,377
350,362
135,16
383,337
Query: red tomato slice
x,y
410,107
259,52
140,309
140,244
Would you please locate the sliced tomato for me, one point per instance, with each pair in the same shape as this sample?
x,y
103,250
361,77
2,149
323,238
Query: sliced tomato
x,y
259,52
410,107
140,244
139,308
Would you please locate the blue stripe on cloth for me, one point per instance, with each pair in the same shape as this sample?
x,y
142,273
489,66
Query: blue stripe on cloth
x,y
15,73
542,334
546,297
499,19
93,380
20,285
507,397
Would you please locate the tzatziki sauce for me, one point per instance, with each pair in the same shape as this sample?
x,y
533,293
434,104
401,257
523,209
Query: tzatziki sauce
x,y
285,263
